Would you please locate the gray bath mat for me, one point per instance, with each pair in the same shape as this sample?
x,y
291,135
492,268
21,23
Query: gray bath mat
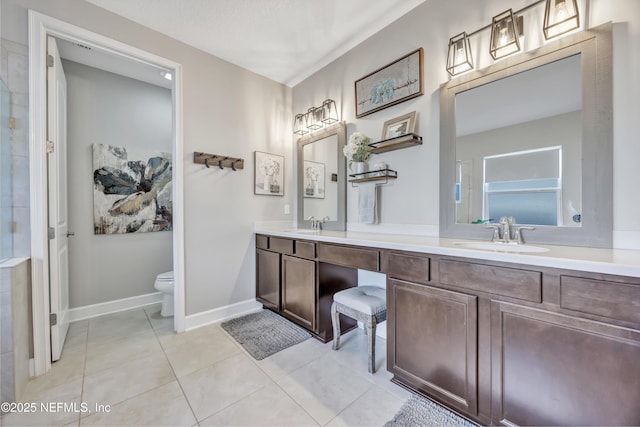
x,y
420,412
264,333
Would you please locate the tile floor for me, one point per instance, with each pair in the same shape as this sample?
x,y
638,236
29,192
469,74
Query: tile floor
x,y
148,375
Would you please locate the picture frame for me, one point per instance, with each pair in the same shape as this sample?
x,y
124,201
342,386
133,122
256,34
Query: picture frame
x,y
268,174
399,126
314,180
396,82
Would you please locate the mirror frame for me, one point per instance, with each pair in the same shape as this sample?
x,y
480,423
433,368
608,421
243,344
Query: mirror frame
x,y
595,46
340,130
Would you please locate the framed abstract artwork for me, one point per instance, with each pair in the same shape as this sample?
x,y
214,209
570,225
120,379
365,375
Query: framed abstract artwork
x,y
269,174
396,82
132,191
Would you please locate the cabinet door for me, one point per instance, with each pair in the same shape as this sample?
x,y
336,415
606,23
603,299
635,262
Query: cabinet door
x,y
551,369
299,290
432,342
268,279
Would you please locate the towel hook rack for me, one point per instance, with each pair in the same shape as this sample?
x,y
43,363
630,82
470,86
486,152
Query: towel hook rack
x,y
222,162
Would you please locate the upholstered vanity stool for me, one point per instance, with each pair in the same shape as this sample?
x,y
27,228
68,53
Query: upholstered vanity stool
x,y
364,303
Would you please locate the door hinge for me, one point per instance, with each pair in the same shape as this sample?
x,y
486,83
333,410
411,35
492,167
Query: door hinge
x,y
49,60
52,233
53,319
50,147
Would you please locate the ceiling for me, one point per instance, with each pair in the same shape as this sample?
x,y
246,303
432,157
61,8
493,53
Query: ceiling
x,y
103,59
284,40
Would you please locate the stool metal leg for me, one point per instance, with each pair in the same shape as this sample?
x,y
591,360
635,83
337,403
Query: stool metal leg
x,y
370,326
335,321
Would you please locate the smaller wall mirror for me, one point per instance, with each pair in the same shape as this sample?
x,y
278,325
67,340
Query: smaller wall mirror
x,y
321,178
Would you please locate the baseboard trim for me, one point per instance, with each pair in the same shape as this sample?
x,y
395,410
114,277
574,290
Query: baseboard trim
x,y
95,310
221,313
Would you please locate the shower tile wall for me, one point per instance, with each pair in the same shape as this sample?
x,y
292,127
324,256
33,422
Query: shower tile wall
x,y
14,72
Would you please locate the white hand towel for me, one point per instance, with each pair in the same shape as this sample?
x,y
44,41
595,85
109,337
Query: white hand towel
x,y
367,193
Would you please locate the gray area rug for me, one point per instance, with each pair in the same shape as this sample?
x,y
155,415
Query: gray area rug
x,y
421,412
264,333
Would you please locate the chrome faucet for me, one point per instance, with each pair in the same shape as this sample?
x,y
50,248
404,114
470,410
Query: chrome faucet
x,y
316,224
518,237
507,224
503,231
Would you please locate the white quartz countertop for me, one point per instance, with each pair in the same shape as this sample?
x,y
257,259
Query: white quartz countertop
x,y
622,262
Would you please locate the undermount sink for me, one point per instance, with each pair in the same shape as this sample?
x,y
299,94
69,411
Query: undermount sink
x,y
302,230
503,247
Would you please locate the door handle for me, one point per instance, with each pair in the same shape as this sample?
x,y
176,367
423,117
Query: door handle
x,y
70,234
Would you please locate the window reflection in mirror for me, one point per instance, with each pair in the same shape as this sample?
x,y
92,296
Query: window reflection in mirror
x,y
519,147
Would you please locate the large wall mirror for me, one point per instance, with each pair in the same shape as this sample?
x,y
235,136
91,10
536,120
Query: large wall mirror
x,y
321,178
531,137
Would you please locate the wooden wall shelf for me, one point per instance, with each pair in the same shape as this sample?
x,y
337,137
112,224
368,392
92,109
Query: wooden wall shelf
x,y
378,175
396,143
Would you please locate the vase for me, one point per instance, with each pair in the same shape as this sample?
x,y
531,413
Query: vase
x,y
359,167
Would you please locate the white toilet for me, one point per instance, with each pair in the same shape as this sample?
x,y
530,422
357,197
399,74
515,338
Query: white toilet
x,y
164,284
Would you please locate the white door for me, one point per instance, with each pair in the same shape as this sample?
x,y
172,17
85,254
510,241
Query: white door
x,y
57,192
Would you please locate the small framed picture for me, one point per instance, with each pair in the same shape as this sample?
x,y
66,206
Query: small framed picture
x,y
313,180
269,174
399,126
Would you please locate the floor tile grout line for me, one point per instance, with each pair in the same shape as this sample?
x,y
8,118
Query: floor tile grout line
x,y
184,394
131,360
84,370
233,403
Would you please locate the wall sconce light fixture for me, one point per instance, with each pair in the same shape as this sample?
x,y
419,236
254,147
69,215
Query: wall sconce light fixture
x,y
560,16
300,124
329,112
316,118
459,58
505,31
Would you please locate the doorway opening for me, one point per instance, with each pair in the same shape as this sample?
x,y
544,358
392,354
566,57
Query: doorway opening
x,y
44,247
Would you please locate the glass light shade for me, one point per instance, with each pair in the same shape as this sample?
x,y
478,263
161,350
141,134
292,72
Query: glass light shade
x,y
300,124
504,35
314,119
459,58
329,112
560,16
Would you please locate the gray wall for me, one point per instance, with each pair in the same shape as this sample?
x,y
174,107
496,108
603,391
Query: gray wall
x,y
228,111
412,200
131,114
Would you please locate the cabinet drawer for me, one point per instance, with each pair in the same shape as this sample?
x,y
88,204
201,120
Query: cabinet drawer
x,y
366,259
262,242
409,267
305,249
509,282
620,301
284,246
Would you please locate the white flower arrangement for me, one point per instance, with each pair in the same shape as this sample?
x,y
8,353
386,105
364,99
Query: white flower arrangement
x,y
357,149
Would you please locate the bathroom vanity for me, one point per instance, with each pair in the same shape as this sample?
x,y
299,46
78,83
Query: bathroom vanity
x,y
548,338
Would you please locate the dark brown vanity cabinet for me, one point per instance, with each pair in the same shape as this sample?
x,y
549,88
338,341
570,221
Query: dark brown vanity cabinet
x,y
291,281
268,279
298,291
552,369
509,344
433,343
